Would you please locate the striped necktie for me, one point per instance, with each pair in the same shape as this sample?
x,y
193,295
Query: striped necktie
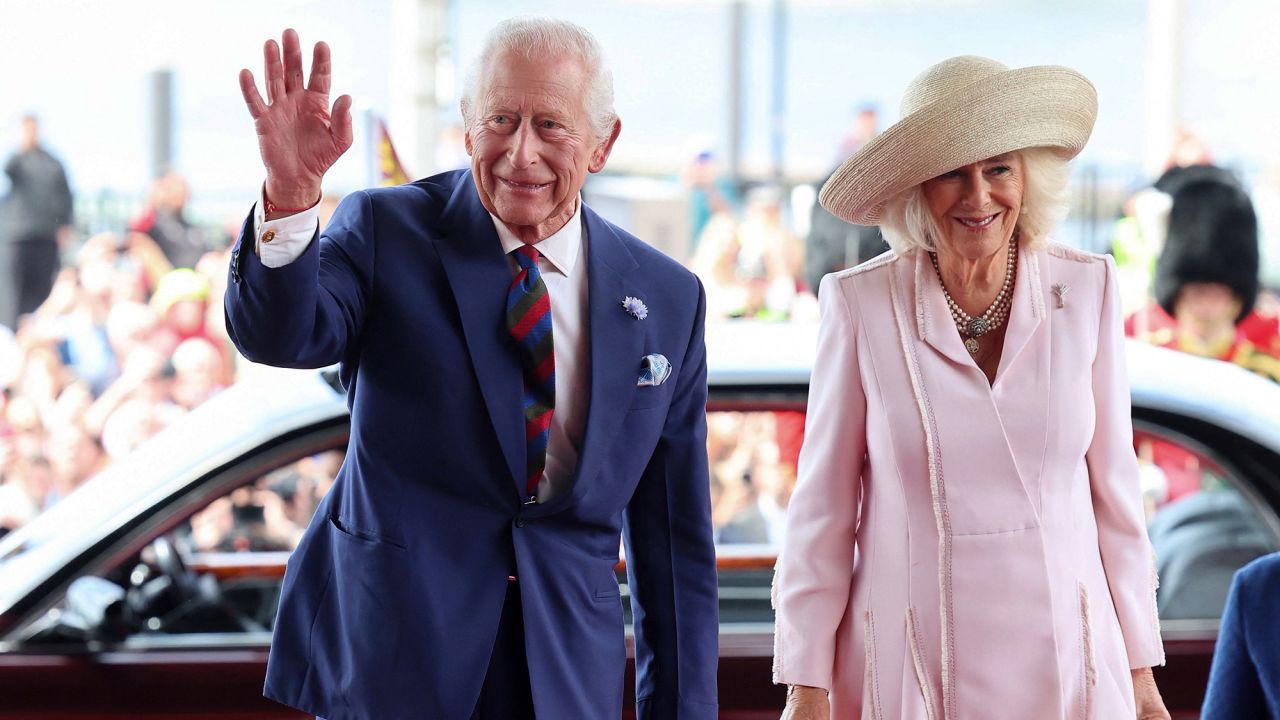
x,y
529,321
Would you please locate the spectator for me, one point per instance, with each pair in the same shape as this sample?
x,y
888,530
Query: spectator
x,y
834,244
165,221
710,193
1206,280
75,456
36,213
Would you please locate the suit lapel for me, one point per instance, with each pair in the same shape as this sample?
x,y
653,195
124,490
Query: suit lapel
x,y
617,343
479,277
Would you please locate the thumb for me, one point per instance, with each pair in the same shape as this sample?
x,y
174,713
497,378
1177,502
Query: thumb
x,y
341,121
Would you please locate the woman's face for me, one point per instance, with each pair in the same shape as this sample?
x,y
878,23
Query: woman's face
x,y
976,207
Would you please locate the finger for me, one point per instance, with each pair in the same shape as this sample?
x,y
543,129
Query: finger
x,y
340,119
320,69
292,61
275,72
249,89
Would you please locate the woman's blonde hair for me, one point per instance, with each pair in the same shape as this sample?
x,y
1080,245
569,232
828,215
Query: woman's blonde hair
x,y
907,224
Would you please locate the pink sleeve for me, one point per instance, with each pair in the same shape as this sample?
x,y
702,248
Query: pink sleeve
x,y
1126,552
815,566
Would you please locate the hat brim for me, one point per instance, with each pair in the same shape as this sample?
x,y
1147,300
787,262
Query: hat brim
x,y
1043,106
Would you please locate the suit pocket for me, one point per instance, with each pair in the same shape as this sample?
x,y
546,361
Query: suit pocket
x,y
349,532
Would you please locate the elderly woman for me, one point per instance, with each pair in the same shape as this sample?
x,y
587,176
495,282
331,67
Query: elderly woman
x,y
966,537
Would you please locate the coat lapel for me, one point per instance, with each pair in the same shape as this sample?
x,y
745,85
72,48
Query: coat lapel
x,y
1026,310
933,319
479,277
617,345
937,328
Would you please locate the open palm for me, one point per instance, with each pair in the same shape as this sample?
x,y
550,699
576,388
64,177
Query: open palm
x,y
298,136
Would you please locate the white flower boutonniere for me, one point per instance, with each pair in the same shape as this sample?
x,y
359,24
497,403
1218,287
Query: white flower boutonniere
x,y
635,307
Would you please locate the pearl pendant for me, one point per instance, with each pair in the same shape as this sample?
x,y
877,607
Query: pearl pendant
x,y
971,344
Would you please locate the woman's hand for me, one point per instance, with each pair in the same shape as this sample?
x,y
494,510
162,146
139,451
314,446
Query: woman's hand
x,y
1146,696
806,703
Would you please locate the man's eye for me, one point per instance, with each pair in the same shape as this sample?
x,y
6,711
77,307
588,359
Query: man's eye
x,y
550,125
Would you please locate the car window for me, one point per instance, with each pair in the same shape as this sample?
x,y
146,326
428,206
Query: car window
x,y
268,514
1204,520
753,471
217,572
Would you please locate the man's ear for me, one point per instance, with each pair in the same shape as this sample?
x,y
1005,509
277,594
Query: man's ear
x,y
466,140
600,155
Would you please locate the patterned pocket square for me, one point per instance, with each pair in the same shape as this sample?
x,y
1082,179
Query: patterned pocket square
x,y
656,371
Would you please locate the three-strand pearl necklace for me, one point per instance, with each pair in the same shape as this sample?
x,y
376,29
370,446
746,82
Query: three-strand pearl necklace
x,y
972,328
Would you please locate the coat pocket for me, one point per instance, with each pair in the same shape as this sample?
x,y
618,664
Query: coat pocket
x,y
1089,670
917,660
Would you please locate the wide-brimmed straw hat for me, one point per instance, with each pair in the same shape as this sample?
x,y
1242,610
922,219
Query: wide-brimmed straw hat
x,y
958,112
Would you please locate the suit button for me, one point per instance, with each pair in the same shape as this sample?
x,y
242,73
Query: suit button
x,y
268,236
520,522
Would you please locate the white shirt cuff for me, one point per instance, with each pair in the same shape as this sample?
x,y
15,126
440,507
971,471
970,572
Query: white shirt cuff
x,y
280,242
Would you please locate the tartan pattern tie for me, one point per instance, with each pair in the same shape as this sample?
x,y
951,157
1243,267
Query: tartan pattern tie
x,y
529,321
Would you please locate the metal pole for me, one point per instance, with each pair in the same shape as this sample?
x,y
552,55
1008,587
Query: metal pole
x,y
161,106
1163,77
737,26
778,119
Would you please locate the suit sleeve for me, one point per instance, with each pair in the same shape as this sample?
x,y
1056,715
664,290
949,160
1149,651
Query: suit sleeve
x,y
1127,557
671,563
1235,688
815,567
308,313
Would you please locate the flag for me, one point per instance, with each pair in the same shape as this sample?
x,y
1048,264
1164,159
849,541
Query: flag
x,y
389,167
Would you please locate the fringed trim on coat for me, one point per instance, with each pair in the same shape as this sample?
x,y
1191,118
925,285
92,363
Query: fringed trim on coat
x,y
917,658
870,673
938,490
1090,671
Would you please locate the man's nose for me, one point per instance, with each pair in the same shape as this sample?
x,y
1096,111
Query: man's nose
x,y
524,151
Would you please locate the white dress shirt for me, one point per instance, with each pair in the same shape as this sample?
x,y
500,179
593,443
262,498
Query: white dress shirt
x,y
563,264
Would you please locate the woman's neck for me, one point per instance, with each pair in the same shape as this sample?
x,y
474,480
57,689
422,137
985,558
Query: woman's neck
x,y
973,283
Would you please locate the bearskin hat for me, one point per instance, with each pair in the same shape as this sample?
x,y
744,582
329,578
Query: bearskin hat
x,y
1212,237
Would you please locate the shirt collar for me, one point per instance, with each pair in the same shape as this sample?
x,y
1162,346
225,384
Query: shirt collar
x,y
560,249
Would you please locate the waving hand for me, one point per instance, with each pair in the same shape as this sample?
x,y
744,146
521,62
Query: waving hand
x,y
299,137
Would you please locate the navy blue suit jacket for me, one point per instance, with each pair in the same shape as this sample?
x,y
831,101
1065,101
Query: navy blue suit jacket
x,y
391,602
1244,681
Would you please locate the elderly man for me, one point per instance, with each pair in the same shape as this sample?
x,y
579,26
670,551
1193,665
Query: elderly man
x,y
527,382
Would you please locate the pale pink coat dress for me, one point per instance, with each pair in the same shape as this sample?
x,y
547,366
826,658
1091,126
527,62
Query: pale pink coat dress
x,y
1002,567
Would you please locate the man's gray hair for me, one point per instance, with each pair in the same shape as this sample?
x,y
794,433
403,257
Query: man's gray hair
x,y
907,223
532,36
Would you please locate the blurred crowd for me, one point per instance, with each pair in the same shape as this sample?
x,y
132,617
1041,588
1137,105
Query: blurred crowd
x,y
107,339
123,334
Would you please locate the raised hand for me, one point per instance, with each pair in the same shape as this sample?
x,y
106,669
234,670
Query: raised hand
x,y
298,136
